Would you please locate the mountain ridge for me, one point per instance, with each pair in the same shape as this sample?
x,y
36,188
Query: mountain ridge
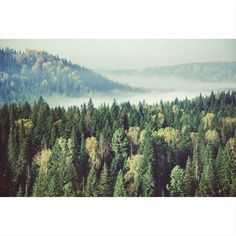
x,y
209,71
30,74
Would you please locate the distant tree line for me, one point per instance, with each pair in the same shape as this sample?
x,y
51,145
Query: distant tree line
x,y
178,148
25,76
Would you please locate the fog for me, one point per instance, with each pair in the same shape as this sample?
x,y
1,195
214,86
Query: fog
x,y
155,89
171,83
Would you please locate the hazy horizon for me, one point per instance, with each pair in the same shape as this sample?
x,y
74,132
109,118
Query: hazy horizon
x,y
115,54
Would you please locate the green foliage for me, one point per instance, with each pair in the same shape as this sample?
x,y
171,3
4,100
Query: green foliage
x,y
148,183
80,151
176,187
119,189
189,179
233,188
145,171
61,170
207,182
31,74
104,183
91,184
223,172
120,148
42,162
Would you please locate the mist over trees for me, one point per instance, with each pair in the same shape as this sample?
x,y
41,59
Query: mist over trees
x,y
25,76
179,148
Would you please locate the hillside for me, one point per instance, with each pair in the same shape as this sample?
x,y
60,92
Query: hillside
x,y
183,148
208,71
31,74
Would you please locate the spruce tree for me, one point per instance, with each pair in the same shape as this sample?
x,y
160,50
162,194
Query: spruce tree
x,y
223,172
207,182
189,179
91,184
148,183
119,189
104,183
120,148
177,187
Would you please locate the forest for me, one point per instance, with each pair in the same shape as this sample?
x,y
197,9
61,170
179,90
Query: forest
x,y
25,76
183,148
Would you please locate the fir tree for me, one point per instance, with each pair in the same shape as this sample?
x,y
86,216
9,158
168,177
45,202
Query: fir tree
x,y
104,183
223,172
119,189
148,185
177,188
120,148
207,182
91,184
189,179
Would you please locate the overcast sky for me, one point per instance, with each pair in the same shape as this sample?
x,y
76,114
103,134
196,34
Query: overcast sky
x,y
131,54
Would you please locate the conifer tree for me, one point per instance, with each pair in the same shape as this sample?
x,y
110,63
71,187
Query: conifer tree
x,y
120,148
207,182
119,189
104,183
189,179
148,183
145,167
223,172
13,152
177,188
91,184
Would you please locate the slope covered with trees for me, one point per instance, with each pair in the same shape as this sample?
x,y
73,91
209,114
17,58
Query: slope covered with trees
x,y
179,148
25,76
205,71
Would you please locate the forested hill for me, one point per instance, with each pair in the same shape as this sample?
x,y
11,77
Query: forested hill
x,y
178,148
31,74
208,71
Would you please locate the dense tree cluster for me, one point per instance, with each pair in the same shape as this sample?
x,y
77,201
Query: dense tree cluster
x,y
178,148
205,71
25,76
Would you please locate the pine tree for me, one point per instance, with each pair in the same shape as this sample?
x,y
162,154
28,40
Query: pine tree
x,y
91,184
120,148
189,179
61,171
104,183
207,182
82,168
177,187
119,189
145,167
148,184
13,152
223,172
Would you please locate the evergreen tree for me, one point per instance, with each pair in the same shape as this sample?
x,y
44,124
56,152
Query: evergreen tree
x,y
189,179
145,167
104,183
91,184
207,182
148,184
13,152
223,173
119,189
120,148
82,168
177,188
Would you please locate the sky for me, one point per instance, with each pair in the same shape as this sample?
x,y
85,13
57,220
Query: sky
x,y
111,54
